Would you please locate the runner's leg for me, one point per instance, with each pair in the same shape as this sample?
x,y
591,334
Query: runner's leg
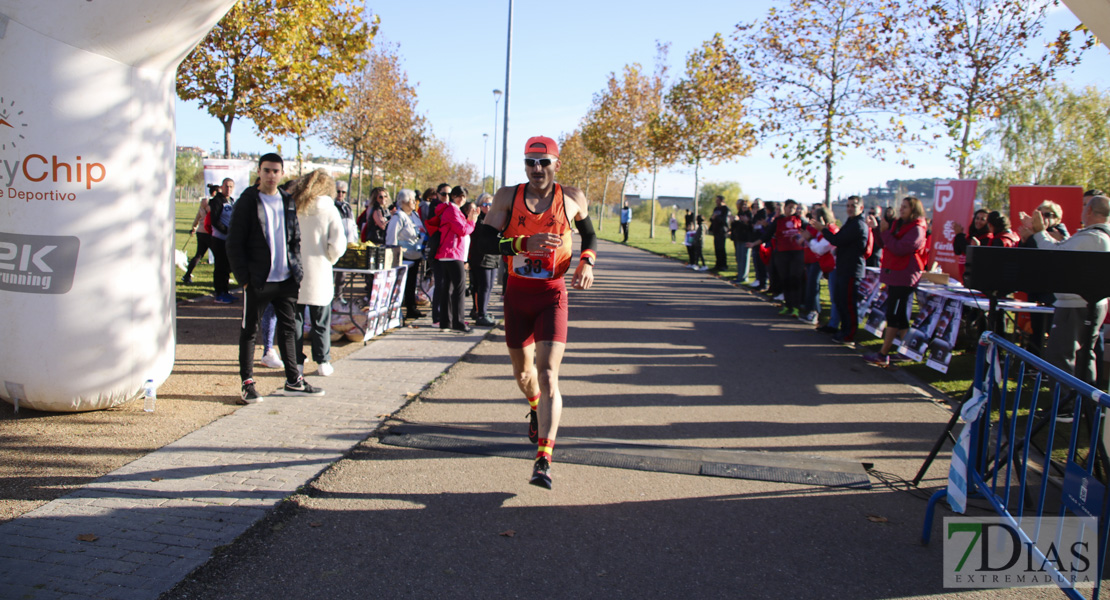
x,y
549,357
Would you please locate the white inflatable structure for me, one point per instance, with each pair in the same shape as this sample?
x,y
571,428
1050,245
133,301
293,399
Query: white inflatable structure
x,y
86,195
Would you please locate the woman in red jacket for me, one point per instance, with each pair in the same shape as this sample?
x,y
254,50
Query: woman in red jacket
x,y
904,259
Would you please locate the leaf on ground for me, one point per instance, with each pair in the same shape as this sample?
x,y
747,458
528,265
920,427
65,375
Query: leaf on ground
x,y
877,519
156,479
507,533
88,537
384,416
315,524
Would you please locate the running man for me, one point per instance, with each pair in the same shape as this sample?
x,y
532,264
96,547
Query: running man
x,y
529,224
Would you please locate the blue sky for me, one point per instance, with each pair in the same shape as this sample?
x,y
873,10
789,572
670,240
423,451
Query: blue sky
x,y
562,54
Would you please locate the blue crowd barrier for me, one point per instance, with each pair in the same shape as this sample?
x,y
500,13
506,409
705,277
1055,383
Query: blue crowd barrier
x,y
1002,457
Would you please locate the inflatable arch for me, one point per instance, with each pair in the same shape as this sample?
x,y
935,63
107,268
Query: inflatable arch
x,y
86,195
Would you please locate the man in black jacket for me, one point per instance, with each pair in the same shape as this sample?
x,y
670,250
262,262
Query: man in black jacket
x,y
264,249
718,226
851,246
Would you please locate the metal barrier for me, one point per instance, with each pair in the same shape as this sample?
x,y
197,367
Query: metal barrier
x,y
1006,463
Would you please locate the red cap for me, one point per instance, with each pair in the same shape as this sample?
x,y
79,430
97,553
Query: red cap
x,y
541,145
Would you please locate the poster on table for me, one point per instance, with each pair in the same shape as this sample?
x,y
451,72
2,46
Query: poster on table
x,y
939,354
866,290
915,344
397,298
875,321
954,205
1026,199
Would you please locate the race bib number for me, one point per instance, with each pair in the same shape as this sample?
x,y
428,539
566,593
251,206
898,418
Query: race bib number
x,y
534,266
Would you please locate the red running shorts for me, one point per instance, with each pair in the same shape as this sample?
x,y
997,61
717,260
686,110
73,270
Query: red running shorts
x,y
535,311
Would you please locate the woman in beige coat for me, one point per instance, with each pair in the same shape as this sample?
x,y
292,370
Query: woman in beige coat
x,y
322,243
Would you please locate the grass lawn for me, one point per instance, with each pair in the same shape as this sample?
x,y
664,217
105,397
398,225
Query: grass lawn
x,y
961,370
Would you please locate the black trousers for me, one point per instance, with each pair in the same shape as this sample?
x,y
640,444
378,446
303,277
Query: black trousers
x,y
222,269
410,287
454,294
481,281
790,266
283,295
438,291
719,243
204,241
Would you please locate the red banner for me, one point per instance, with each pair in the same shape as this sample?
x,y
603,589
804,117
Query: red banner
x,y
1026,199
954,202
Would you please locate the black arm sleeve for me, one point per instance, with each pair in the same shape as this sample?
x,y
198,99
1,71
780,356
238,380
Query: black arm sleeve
x,y
589,237
485,239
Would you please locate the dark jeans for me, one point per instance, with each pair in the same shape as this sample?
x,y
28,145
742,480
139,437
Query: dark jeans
x,y
454,294
760,268
1072,342
204,241
481,281
719,243
743,260
624,230
790,266
845,299
283,296
811,298
221,270
319,336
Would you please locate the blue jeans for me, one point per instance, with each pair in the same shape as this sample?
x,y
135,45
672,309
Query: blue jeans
x,y
269,323
811,297
743,260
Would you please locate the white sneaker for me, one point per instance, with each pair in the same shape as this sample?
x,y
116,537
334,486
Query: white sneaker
x,y
325,369
272,360
754,284
779,298
811,318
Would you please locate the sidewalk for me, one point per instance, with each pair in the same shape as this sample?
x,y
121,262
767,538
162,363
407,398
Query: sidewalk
x,y
136,532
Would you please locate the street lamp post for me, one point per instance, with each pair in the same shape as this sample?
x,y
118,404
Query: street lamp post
x,y
508,69
496,99
485,144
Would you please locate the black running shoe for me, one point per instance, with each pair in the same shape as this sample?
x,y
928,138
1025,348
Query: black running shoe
x,y
249,395
533,427
302,388
541,473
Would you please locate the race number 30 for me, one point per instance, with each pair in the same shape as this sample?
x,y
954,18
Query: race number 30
x,y
37,264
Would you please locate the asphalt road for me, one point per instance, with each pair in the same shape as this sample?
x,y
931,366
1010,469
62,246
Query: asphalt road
x,y
657,354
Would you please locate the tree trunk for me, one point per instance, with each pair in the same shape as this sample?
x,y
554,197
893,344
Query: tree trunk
x,y
227,137
300,163
651,228
697,163
351,175
601,208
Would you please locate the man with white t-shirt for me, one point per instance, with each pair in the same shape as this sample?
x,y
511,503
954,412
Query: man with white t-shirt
x,y
264,249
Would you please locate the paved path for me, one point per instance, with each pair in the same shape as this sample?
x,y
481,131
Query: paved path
x,y
160,517
658,354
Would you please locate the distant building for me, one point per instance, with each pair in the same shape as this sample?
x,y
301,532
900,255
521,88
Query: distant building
x,y
201,152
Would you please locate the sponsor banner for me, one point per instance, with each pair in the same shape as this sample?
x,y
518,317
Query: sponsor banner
x,y
218,169
954,204
37,264
999,552
1026,199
